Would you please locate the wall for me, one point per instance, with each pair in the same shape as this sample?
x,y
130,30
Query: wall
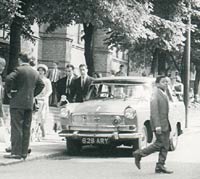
x,y
106,60
62,46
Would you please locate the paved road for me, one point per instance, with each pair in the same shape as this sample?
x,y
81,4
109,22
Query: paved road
x,y
94,163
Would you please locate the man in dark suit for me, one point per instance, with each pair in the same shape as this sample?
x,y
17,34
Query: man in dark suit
x,y
160,124
22,85
54,75
82,84
66,85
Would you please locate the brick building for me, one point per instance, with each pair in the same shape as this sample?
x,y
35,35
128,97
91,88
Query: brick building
x,y
64,46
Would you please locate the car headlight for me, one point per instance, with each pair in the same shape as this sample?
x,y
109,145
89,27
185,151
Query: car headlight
x,y
129,113
64,112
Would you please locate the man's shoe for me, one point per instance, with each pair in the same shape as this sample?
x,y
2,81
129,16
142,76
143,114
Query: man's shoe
x,y
138,157
24,156
8,150
162,169
29,151
12,156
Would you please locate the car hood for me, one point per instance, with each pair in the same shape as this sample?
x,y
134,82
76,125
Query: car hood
x,y
104,106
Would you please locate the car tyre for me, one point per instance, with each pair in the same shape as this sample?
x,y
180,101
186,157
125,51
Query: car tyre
x,y
142,142
73,147
173,142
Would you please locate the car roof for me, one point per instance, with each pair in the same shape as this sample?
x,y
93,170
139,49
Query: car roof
x,y
124,80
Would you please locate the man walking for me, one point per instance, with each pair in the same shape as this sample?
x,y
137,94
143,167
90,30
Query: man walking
x,y
159,107
22,85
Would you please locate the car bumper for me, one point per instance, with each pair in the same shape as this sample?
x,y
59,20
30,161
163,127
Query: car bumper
x,y
113,136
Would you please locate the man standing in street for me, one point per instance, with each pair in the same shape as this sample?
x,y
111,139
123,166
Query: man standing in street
x,y
82,84
54,75
22,85
66,85
160,124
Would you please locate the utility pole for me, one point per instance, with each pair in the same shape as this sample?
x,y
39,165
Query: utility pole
x,y
187,64
128,63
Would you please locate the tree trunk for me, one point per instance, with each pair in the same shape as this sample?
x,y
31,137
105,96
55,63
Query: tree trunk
x,y
15,35
89,30
162,62
15,44
154,64
158,66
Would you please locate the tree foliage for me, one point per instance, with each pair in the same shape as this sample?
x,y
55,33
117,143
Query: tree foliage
x,y
8,9
130,24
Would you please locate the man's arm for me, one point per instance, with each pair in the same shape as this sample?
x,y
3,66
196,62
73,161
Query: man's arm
x,y
10,79
155,112
39,86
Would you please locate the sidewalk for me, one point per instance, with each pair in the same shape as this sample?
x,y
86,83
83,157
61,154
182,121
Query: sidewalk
x,y
52,145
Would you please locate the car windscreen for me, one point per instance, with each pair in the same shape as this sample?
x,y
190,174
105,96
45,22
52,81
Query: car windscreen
x,y
119,91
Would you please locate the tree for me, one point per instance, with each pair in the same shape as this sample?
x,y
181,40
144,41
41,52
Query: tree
x,y
8,8
124,17
130,23
92,13
20,18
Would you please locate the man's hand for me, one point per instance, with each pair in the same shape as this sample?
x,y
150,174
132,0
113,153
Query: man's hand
x,y
158,130
9,95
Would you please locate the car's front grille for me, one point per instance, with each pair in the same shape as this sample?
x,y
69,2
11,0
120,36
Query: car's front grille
x,y
83,119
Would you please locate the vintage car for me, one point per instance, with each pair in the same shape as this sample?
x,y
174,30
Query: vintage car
x,y
116,112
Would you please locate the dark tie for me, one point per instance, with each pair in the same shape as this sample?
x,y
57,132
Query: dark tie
x,y
82,82
68,81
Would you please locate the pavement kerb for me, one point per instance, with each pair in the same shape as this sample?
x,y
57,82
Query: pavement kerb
x,y
29,158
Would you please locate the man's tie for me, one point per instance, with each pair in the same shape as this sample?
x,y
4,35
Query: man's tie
x,y
68,81
55,75
82,82
67,85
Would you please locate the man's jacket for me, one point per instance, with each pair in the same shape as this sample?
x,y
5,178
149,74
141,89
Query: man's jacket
x,y
159,107
23,84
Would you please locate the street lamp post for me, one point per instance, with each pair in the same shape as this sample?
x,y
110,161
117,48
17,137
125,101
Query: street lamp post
x,y
187,65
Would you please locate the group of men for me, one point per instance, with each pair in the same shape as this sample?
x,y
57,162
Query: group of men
x,y
73,87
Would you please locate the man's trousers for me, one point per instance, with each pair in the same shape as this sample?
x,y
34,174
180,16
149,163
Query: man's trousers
x,y
161,144
20,130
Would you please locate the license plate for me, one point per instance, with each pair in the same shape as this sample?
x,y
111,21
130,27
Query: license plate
x,y
92,140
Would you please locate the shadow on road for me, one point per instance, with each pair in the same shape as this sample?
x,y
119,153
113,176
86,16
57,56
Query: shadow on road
x,y
100,152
